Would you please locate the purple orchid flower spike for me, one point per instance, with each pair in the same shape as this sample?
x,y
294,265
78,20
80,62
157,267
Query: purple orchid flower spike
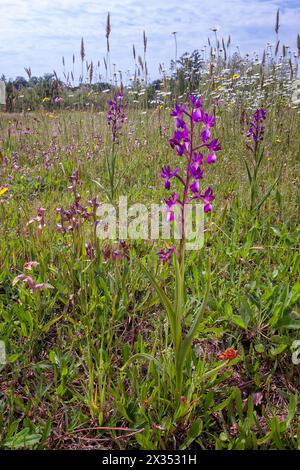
x,y
192,140
255,137
256,129
116,115
193,129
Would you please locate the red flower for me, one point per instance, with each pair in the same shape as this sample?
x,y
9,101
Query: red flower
x,y
229,353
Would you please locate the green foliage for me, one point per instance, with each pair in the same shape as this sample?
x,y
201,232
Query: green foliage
x,y
91,362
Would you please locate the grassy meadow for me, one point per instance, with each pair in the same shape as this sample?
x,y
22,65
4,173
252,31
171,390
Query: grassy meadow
x,y
109,347
63,386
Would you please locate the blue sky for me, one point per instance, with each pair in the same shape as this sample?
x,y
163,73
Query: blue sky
x,y
37,33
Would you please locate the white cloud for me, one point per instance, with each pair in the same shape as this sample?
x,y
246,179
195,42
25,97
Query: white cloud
x,y
39,32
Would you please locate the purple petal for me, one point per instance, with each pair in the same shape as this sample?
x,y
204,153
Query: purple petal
x,y
207,207
205,135
195,186
211,158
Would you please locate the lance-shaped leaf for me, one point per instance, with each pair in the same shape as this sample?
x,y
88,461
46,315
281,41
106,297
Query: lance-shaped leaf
x,y
163,298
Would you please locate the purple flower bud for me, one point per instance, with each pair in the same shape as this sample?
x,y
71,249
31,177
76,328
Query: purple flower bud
x,y
212,158
164,255
207,207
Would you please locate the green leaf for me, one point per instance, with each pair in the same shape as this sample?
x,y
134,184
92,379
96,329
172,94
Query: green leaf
x,y
223,404
215,371
259,348
188,340
292,409
143,356
193,433
47,430
246,312
289,323
248,170
279,349
50,323
239,321
23,439
164,300
267,193
105,191
179,302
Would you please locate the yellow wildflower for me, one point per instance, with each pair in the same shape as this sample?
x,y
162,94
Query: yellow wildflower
x,y
3,191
